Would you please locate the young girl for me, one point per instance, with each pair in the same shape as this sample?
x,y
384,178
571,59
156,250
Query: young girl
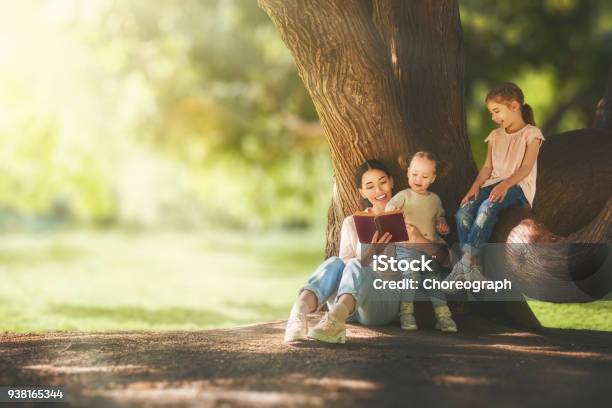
x,y
508,176
423,211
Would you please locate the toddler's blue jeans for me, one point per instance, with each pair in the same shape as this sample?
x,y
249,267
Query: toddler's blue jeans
x,y
436,296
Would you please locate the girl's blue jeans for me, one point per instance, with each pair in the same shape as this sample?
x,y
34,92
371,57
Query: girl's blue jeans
x,y
476,219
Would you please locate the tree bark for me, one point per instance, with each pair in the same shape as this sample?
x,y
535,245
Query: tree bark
x,y
574,179
425,42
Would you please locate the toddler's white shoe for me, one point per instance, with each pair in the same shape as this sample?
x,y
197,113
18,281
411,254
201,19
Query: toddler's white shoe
x,y
408,322
444,321
406,314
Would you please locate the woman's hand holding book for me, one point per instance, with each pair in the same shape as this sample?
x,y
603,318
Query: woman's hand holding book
x,y
378,247
384,239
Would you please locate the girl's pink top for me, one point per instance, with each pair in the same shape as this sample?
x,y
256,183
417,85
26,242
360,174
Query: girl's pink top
x,y
507,153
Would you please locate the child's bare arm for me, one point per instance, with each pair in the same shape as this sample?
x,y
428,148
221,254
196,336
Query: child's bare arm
x,y
442,226
483,175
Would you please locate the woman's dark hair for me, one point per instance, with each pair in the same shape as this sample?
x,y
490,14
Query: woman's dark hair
x,y
441,167
508,92
362,169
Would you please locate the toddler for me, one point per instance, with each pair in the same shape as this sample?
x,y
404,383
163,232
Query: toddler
x,y
423,211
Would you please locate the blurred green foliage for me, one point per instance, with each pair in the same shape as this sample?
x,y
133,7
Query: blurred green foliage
x,y
558,51
187,113
191,113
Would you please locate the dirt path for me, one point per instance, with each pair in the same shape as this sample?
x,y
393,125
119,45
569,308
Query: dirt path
x,y
483,365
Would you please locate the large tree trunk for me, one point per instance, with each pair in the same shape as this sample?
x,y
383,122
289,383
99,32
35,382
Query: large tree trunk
x,y
376,100
386,77
347,71
425,42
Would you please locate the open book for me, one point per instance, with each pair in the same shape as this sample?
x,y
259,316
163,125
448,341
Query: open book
x,y
389,221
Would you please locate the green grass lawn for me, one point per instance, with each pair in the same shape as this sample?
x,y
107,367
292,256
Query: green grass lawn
x,y
117,280
591,316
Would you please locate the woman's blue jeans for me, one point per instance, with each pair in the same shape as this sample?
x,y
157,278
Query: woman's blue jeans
x,y
334,278
476,219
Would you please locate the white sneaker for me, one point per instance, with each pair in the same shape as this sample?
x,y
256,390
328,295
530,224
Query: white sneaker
x,y
444,321
408,322
297,327
446,324
459,273
475,274
329,330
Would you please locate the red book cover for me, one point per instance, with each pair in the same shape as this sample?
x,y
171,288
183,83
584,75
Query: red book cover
x,y
391,221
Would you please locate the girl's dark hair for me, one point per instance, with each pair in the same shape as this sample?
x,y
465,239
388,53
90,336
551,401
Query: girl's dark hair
x,y
362,169
441,167
508,92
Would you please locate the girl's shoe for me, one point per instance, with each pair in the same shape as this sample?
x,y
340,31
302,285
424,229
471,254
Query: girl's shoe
x,y
444,321
329,330
475,274
297,327
459,273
